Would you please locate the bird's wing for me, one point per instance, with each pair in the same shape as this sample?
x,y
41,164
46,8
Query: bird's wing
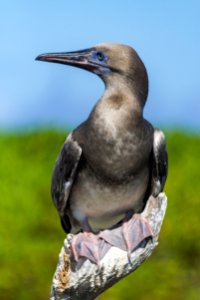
x,y
160,163
63,177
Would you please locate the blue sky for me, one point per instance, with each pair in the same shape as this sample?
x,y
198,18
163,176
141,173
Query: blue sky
x,y
166,34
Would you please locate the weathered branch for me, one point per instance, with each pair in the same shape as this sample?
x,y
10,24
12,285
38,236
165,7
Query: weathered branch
x,y
85,280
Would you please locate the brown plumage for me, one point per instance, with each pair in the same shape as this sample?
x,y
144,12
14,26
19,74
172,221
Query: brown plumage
x,y
111,163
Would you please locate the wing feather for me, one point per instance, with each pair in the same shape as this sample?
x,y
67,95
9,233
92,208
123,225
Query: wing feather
x,y
160,163
64,174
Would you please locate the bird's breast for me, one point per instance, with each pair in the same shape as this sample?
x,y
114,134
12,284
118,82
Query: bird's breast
x,y
115,143
116,155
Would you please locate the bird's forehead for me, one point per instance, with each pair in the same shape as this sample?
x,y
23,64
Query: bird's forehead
x,y
114,48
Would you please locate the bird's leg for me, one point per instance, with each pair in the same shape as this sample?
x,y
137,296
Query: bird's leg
x,y
85,225
135,229
85,244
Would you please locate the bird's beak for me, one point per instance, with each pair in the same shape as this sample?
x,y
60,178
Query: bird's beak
x,y
79,59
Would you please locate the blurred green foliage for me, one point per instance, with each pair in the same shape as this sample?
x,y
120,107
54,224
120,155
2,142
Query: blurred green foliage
x,y
31,236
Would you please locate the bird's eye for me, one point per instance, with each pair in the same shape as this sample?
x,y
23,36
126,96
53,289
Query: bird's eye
x,y
100,56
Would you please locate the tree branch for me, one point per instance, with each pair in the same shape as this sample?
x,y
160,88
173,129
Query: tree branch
x,y
86,280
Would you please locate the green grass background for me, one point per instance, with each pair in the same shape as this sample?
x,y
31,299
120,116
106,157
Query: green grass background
x,y
31,236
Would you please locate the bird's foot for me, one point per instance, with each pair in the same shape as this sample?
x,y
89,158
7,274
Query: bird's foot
x,y
88,245
133,230
127,236
85,244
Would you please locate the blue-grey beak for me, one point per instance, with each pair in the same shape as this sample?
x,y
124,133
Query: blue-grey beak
x,y
79,59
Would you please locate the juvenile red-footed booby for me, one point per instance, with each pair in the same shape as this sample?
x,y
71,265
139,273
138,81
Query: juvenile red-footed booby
x,y
111,163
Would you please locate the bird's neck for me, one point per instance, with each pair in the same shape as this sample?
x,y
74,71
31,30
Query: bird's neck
x,y
122,98
117,110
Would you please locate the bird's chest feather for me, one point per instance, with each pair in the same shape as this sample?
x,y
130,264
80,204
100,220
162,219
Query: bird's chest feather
x,y
116,148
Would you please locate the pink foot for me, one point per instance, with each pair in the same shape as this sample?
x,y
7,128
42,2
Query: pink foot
x,y
134,231
129,235
126,236
85,245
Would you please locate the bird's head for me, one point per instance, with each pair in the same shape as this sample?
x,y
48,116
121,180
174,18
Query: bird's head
x,y
114,63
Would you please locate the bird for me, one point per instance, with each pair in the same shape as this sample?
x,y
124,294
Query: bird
x,y
111,163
